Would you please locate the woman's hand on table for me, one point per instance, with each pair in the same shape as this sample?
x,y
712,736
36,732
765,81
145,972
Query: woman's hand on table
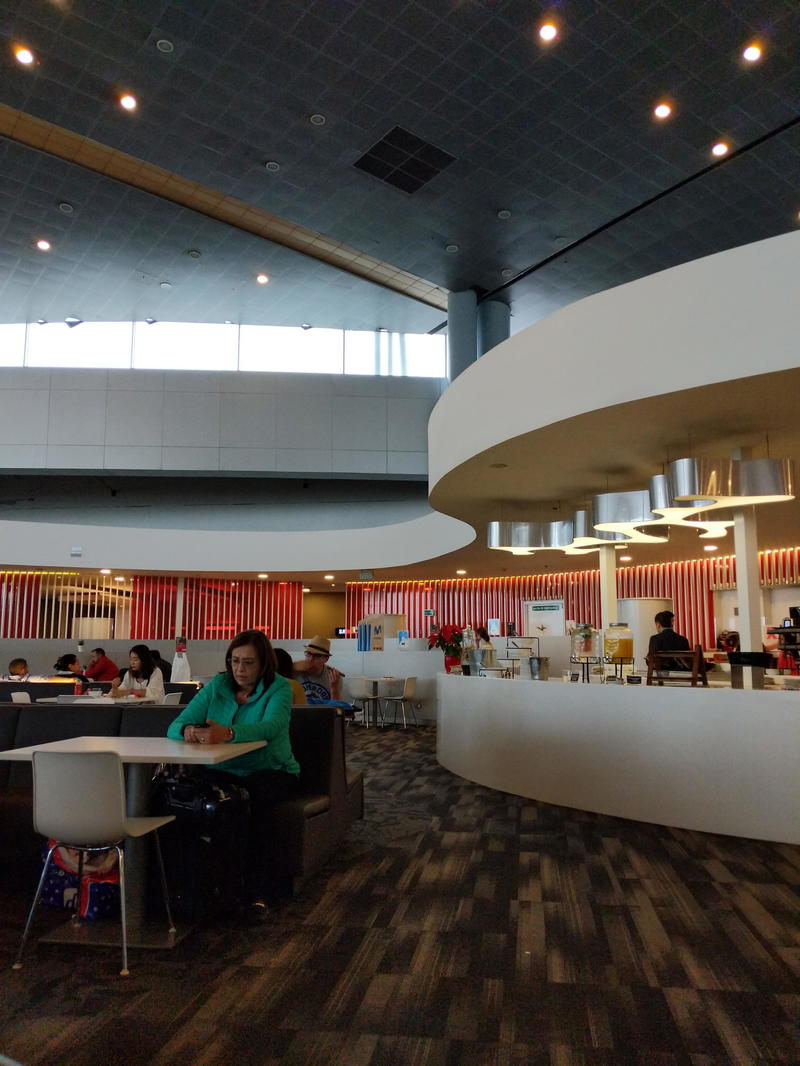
x,y
210,733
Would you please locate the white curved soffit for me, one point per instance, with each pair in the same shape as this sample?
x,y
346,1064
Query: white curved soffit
x,y
730,315
176,550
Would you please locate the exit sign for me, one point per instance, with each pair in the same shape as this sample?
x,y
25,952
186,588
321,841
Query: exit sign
x,y
429,612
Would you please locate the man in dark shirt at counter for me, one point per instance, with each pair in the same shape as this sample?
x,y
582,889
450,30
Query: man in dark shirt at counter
x,y
666,639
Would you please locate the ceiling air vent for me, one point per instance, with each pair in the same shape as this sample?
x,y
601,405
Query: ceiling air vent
x,y
404,160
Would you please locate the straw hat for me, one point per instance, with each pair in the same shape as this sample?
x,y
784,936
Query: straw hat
x,y
318,646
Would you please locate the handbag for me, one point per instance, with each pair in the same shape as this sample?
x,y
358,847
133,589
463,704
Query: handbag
x,y
190,796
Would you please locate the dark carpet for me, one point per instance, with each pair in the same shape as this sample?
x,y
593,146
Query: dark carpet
x,y
457,927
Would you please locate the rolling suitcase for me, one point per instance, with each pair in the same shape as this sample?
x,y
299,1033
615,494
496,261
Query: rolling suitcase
x,y
203,846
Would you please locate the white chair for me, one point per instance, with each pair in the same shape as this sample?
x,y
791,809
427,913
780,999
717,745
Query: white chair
x,y
172,698
365,692
405,697
20,697
79,801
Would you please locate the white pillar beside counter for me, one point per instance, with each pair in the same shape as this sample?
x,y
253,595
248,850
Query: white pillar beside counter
x,y
714,760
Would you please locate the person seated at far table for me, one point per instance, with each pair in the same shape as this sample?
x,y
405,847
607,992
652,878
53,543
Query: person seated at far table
x,y
100,667
142,678
248,701
162,664
17,671
284,666
666,639
322,683
69,666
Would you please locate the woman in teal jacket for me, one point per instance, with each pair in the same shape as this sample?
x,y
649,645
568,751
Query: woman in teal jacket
x,y
248,701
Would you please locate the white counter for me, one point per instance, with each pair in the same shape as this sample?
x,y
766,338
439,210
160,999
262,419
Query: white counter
x,y
716,760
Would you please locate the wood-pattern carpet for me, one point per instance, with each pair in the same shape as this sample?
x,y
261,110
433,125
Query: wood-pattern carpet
x,y
457,927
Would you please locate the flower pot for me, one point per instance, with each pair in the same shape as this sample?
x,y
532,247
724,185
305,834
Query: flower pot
x,y
450,661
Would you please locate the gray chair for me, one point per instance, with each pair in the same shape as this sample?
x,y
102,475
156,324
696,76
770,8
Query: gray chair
x,y
79,802
365,693
20,697
173,698
405,697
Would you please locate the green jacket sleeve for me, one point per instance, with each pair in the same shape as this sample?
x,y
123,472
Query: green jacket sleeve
x,y
194,713
274,721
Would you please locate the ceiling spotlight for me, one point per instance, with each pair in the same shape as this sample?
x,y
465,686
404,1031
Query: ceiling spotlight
x,y
709,547
548,31
720,149
328,577
504,213
105,571
41,321
625,558
462,572
150,321
66,207
72,321
317,119
752,53
506,273
119,578
262,279
662,110
306,590
306,325
165,285
164,46
272,166
43,245
193,253
128,102
451,248
263,576
24,55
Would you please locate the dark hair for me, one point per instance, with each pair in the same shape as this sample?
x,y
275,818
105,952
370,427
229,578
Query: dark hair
x,y
98,651
145,671
482,632
63,662
263,649
283,662
664,619
18,662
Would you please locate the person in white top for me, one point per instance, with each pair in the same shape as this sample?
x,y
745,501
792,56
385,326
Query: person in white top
x,y
142,678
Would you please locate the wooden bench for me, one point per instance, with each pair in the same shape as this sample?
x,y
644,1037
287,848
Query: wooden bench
x,y
694,672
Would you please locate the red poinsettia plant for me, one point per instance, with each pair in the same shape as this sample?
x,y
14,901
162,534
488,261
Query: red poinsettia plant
x,y
448,638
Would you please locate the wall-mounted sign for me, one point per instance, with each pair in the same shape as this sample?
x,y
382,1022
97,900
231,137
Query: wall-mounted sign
x,y
429,612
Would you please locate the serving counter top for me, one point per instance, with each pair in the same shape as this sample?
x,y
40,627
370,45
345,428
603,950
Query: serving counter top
x,y
715,760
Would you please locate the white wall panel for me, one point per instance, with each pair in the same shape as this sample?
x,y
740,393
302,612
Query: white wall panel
x,y
23,415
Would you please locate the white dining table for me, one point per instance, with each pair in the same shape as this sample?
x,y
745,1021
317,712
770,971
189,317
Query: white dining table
x,y
140,755
101,701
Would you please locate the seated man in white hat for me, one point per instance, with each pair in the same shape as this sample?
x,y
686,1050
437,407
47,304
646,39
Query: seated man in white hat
x,y
322,683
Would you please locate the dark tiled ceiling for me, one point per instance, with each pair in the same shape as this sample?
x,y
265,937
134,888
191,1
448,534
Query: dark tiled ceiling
x,y
561,137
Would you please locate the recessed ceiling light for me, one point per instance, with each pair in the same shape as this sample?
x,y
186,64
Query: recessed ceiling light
x,y
720,149
560,242
451,248
43,245
104,571
24,55
709,547
548,31
119,578
66,207
272,166
504,213
328,577
306,590
662,110
41,321
262,279
165,46
165,285
506,272
752,53
128,101
317,119
193,253
625,558
306,325
73,320
263,576
461,571
150,321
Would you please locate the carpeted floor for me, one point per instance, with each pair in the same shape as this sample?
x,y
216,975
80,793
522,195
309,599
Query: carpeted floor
x,y
457,927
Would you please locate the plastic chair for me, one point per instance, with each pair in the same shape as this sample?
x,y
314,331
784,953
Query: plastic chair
x,y
79,801
20,697
405,697
172,698
365,692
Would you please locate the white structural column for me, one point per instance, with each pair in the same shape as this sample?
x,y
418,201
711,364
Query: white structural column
x,y
748,581
608,585
179,607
